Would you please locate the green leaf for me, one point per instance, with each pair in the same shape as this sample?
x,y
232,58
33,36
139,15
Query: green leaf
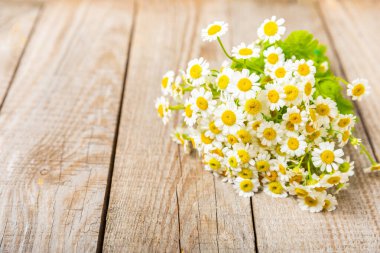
x,y
344,105
329,88
302,44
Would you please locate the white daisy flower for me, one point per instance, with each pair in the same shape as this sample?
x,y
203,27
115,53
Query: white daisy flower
x,y
202,101
358,89
176,90
347,167
271,29
229,118
190,117
330,203
245,153
323,67
212,130
231,159
293,93
244,85
296,117
304,69
273,55
213,162
255,106
247,173
313,202
281,71
325,109
269,133
330,180
166,82
308,89
254,123
298,189
344,121
243,51
294,144
344,137
263,162
214,30
246,187
162,106
326,157
196,71
275,189
224,78
245,135
275,96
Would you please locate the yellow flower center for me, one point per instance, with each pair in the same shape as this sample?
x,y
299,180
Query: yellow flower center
x,y
327,156
345,136
344,122
246,185
223,82
323,109
245,51
272,176
272,58
202,103
282,169
244,84
229,117
301,192
273,96
293,143
308,88
214,29
269,133
280,72
333,180
303,69
262,166
295,118
243,155
270,28
244,135
245,173
309,128
256,125
188,111
291,92
160,110
214,164
358,90
314,135
253,106
164,82
289,126
213,128
313,116
231,139
233,162
196,71
309,201
218,152
327,204
275,187
205,139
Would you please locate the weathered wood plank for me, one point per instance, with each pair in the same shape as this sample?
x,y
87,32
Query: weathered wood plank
x,y
280,224
354,26
57,127
16,24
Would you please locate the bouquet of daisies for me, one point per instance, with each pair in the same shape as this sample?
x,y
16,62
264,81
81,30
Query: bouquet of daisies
x,y
271,117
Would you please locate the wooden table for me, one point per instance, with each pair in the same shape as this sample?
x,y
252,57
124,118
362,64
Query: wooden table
x,y
87,165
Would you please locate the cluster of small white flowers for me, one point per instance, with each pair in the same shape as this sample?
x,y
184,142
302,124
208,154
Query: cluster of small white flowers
x,y
263,128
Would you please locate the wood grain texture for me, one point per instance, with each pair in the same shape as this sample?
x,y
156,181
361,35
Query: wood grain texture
x,y
16,23
57,127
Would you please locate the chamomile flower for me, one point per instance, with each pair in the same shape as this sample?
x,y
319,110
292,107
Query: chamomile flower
x,y
202,101
330,180
323,67
166,82
243,51
281,71
245,153
296,117
229,118
213,162
358,89
245,85
263,162
190,117
255,106
304,69
308,89
273,55
293,93
298,189
269,133
347,167
197,70
245,135
274,95
224,78
271,29
325,109
214,30
330,203
212,130
246,187
344,121
294,144
231,159
162,106
275,189
313,202
326,158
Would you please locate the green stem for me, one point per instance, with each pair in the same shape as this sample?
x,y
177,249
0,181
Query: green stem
x,y
366,152
342,80
225,51
177,107
188,88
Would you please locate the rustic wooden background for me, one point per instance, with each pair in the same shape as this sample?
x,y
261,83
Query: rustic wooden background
x,y
86,164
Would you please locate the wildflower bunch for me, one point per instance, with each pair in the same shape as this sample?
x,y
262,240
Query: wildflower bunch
x,y
271,117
